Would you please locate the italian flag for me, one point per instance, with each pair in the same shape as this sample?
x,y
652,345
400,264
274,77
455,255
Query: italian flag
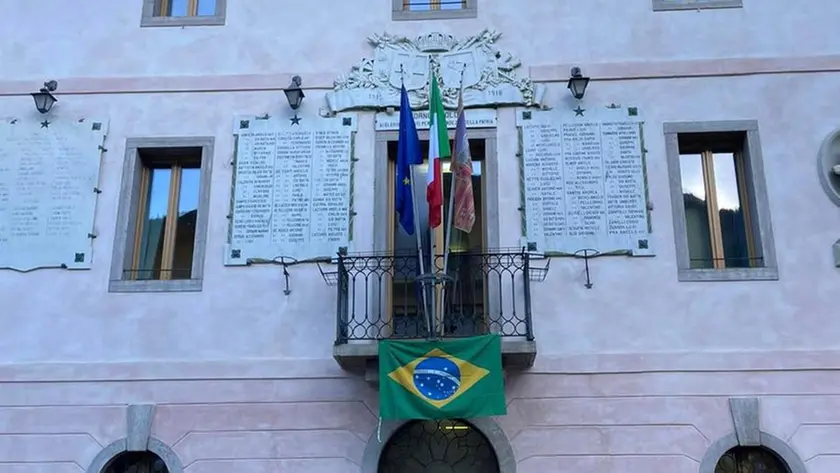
x,y
438,148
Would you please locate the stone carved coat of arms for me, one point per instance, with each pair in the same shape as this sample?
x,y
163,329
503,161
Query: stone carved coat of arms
x,y
487,75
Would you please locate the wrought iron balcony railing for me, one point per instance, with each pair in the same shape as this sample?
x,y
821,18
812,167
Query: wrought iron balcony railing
x,y
386,296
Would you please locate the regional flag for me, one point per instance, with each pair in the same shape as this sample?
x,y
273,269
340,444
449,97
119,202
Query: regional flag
x,y
442,379
462,169
438,148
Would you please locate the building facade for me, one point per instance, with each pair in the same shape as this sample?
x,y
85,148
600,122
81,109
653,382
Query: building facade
x,y
707,340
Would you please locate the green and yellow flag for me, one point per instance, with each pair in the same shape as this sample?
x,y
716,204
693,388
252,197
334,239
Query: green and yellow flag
x,y
443,379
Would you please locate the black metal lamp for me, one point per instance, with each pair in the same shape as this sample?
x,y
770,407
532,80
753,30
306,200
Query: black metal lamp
x,y
294,94
44,99
578,83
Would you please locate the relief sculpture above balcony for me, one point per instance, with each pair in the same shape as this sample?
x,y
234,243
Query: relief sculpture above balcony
x,y
489,75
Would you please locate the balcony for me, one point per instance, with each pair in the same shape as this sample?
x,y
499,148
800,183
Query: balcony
x,y
386,296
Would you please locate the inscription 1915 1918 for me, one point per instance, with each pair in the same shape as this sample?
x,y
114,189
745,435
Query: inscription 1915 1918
x,y
49,172
583,178
291,194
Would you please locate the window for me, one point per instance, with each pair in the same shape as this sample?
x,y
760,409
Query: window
x,y
406,308
183,12
162,219
434,9
665,5
721,215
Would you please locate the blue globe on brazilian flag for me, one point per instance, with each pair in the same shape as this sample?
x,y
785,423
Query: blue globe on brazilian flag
x,y
442,379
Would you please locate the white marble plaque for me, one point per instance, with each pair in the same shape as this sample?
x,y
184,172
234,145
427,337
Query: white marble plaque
x,y
584,181
475,118
292,188
49,172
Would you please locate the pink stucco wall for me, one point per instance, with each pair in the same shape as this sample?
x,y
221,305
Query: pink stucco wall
x,y
632,375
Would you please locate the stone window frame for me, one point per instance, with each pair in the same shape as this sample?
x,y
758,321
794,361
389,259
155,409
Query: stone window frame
x,y
400,13
490,181
383,210
762,225
127,216
150,20
671,5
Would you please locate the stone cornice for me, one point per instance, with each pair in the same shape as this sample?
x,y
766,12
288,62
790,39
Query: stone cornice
x,y
632,70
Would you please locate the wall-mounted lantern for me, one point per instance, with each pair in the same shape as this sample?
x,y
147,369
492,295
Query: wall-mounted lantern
x,y
294,94
577,83
44,99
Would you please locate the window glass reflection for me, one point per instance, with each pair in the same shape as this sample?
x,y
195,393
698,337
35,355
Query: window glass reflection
x,y
185,227
151,245
177,8
206,7
696,211
732,221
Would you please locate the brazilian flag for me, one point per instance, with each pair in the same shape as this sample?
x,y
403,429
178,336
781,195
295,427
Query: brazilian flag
x,y
442,379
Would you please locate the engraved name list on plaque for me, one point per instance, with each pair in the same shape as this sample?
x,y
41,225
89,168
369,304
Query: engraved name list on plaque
x,y
292,188
49,172
584,181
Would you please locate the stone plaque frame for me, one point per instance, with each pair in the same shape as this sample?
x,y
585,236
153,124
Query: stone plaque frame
x,y
643,244
237,255
77,250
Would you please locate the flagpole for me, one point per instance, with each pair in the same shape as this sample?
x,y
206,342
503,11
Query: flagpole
x,y
452,177
433,270
420,251
417,226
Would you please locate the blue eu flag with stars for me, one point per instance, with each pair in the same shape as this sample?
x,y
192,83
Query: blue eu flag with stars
x,y
408,154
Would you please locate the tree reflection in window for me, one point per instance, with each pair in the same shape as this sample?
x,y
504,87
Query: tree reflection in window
x,y
750,460
136,462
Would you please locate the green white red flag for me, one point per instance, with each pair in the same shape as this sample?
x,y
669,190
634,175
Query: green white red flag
x,y
438,148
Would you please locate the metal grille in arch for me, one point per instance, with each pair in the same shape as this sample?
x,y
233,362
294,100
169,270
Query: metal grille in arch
x,y
750,460
445,446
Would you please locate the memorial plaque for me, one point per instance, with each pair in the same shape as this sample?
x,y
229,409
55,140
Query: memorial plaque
x,y
584,181
292,188
475,118
49,172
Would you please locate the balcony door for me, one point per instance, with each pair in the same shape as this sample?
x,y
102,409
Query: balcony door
x,y
464,311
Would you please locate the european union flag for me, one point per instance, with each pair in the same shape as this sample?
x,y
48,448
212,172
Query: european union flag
x,y
408,154
446,379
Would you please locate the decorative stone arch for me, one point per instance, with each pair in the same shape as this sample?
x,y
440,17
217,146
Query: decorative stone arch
x,y
139,439
112,451
488,427
749,434
774,444
827,162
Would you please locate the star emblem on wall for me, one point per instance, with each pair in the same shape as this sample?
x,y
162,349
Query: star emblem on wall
x,y
579,111
45,124
406,181
295,120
